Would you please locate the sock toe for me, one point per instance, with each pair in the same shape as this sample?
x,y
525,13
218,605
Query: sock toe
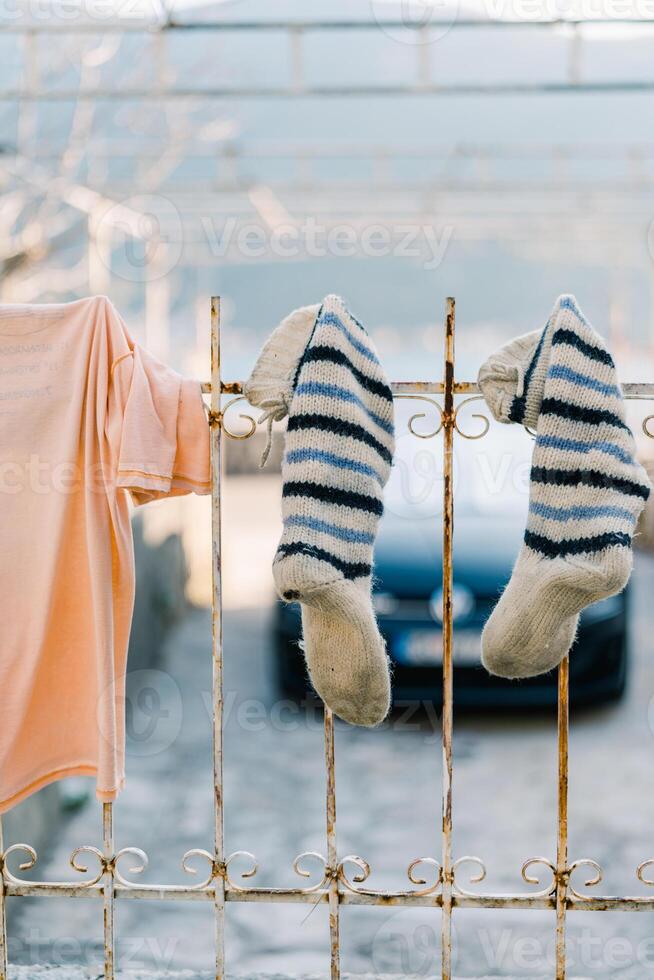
x,y
519,655
346,655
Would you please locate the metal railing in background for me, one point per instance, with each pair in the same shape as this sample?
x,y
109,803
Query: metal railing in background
x,y
434,882
32,88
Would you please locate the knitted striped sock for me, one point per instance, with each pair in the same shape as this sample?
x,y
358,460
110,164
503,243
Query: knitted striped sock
x,y
586,489
338,456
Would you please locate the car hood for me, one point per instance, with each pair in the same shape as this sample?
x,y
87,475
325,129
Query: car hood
x,y
408,553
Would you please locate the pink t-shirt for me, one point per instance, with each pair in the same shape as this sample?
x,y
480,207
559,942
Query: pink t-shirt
x,y
87,418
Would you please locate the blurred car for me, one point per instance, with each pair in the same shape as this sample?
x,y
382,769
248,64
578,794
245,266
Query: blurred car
x,y
408,603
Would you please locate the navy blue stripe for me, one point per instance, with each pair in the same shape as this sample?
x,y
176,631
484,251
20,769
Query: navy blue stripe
x,y
576,546
301,362
519,403
572,339
349,569
333,320
338,427
534,361
588,478
341,394
518,408
333,495
323,353
576,413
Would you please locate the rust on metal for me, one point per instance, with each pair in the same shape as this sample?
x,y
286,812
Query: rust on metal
x,y
217,636
108,868
3,909
332,849
562,870
448,425
338,882
631,390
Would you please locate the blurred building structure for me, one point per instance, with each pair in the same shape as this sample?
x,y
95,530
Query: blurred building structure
x,y
131,158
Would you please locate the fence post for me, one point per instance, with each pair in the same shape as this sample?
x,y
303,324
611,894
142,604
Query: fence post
x,y
449,422
562,872
332,852
217,636
3,911
108,888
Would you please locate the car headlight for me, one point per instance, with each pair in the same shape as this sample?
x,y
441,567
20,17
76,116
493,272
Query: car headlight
x,y
604,609
385,603
463,603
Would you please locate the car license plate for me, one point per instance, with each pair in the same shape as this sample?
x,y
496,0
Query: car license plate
x,y
425,647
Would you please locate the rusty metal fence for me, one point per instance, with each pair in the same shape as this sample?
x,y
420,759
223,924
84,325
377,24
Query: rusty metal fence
x,y
434,883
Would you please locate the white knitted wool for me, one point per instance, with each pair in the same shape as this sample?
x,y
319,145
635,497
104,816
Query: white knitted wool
x,y
270,386
271,381
586,489
338,454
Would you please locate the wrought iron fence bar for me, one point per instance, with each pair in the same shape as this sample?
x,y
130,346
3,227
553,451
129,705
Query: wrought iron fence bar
x,y
3,910
631,390
449,423
217,637
562,817
184,893
108,851
332,848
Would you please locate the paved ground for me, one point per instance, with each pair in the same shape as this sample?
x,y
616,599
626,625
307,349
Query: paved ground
x,y
389,800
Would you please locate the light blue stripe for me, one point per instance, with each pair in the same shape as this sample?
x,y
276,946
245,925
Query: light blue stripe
x,y
335,321
343,395
575,445
332,459
579,513
342,533
568,303
567,374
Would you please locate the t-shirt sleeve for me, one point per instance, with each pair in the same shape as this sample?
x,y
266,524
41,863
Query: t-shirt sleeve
x,y
160,429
